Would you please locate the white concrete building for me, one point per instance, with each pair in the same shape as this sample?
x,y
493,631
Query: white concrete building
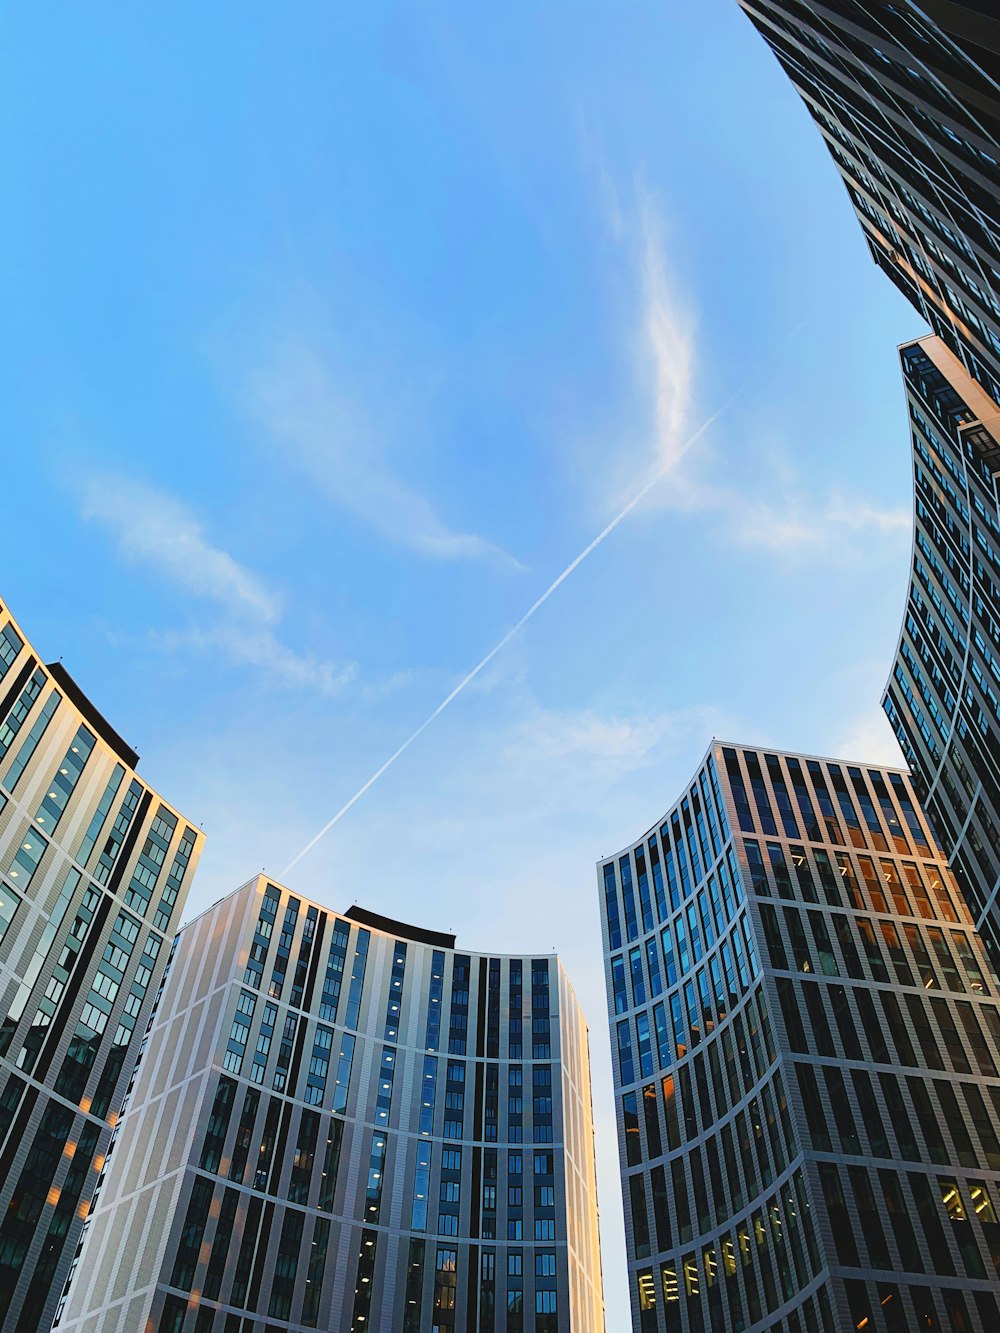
x,y
346,1123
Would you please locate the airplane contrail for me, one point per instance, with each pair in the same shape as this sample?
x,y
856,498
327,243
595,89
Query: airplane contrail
x,y
574,564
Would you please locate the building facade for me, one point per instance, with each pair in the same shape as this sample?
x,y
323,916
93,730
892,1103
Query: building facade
x,y
94,871
906,98
346,1123
943,697
806,1054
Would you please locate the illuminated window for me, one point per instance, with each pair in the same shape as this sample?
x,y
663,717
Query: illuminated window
x,y
647,1290
668,1280
981,1204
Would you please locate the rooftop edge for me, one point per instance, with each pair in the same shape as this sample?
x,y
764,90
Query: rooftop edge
x,y
388,926
90,713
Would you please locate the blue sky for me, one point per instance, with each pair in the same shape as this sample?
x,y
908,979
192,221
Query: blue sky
x,y
334,333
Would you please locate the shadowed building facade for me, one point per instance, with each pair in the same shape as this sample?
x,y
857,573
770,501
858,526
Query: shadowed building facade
x,y
94,871
907,101
346,1123
943,697
806,1054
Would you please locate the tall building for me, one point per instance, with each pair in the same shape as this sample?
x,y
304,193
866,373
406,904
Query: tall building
x,y
806,1053
346,1123
906,97
94,870
943,697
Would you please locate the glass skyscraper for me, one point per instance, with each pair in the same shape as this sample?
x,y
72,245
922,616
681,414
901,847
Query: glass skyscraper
x,y
806,1052
347,1123
943,697
906,98
94,871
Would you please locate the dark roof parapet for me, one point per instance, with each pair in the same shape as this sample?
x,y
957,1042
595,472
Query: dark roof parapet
x,y
90,714
440,939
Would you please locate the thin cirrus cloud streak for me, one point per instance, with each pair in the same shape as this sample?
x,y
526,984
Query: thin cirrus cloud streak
x,y
158,530
670,340
318,429
259,647
498,647
781,517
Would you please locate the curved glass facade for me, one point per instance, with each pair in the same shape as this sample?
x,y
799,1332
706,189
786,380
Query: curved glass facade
x,y
943,697
380,1131
94,872
905,97
785,961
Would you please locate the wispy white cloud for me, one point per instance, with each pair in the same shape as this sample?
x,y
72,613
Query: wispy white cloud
x,y
155,529
855,515
375,691
869,738
792,521
616,743
670,342
777,513
312,420
258,646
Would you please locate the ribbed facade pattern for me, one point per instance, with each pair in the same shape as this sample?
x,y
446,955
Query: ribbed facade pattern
x,y
943,697
345,1123
806,1053
906,99
94,871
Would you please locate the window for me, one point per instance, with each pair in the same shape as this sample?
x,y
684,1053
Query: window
x,y
34,736
27,859
357,979
343,1080
11,644
625,1058
421,1183
64,781
611,906
618,983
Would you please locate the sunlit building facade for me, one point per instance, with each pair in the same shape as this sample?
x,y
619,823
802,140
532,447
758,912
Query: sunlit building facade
x,y
943,697
906,98
806,1052
343,1122
94,871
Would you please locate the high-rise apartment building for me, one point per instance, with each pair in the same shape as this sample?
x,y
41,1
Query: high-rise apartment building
x,y
943,698
347,1123
806,1052
906,97
94,870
